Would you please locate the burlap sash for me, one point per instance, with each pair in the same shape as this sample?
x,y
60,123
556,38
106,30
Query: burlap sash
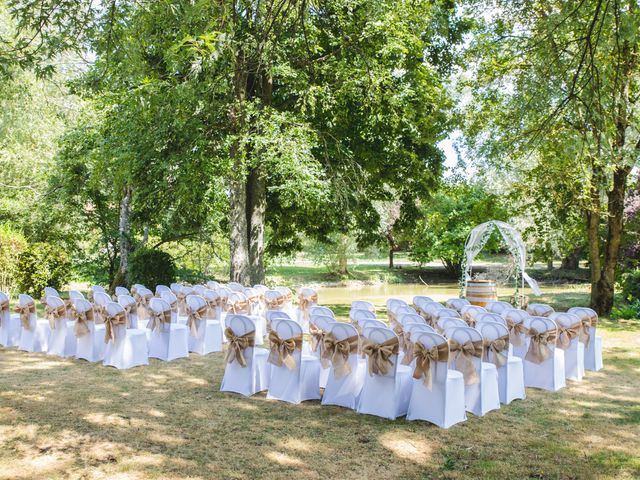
x,y
464,354
156,319
566,334
237,346
500,349
182,303
393,319
539,349
142,303
516,330
25,312
133,291
407,347
304,303
317,344
128,309
53,314
470,320
280,351
212,308
194,316
379,355
357,326
275,303
80,328
338,351
100,312
110,322
425,358
174,306
585,336
239,306
399,331
4,308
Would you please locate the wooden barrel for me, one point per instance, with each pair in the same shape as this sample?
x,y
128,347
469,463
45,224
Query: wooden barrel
x,y
480,292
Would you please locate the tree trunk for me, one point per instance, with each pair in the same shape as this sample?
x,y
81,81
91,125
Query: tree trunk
x,y
124,230
343,268
238,240
391,257
572,261
256,210
550,263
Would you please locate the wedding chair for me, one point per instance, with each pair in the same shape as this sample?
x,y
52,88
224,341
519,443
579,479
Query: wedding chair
x,y
445,323
358,317
592,342
34,334
9,324
167,341
411,330
568,339
181,297
498,306
307,298
100,300
62,341
237,303
246,365
543,362
446,312
205,336
539,310
347,370
213,285
393,305
470,313
429,310
373,323
363,305
318,310
135,287
256,301
456,303
437,393
412,318
143,297
401,312
75,295
96,289
274,316
490,317
215,310
121,291
128,303
89,336
50,292
387,387
481,393
261,288
294,377
126,347
319,326
274,300
172,300
199,290
510,368
517,330
421,299
235,287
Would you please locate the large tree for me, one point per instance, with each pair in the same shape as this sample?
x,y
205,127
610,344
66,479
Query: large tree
x,y
555,89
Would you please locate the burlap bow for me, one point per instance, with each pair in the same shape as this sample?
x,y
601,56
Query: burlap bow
x,y
407,348
53,314
142,303
585,336
500,349
566,334
4,308
195,316
357,326
237,346
81,329
128,309
100,312
212,308
110,322
317,343
470,320
275,303
338,351
304,303
182,303
393,318
464,354
25,312
156,319
539,349
238,306
281,350
424,361
516,330
379,355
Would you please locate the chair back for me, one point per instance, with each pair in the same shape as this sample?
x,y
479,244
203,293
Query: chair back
x,y
471,312
342,331
261,288
393,304
277,315
492,330
490,317
144,291
405,310
373,324
286,291
196,302
446,323
381,335
431,309
159,305
539,309
169,297
498,306
456,303
175,288
98,289
417,328
101,298
323,322
50,292
428,341
75,295
275,299
82,305
420,300
235,287
318,310
113,309
160,289
363,305
412,318
516,315
463,335
361,315
121,291
446,312
212,284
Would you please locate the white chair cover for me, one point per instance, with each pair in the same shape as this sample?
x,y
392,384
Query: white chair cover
x,y
498,306
121,291
89,346
208,333
516,317
10,325
320,325
363,305
129,304
170,340
62,341
128,349
593,349
548,374
574,352
456,303
36,337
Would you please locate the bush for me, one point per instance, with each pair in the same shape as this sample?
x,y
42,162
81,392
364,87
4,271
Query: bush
x,y
631,286
42,265
626,312
151,267
12,244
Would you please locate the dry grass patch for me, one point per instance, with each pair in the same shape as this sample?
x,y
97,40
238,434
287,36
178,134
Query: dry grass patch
x,y
72,419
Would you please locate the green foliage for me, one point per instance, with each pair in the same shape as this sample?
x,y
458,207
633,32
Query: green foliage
x,y
631,286
151,267
335,253
12,244
447,221
42,265
627,311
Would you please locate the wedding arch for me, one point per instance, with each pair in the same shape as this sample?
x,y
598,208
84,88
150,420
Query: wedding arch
x,y
512,239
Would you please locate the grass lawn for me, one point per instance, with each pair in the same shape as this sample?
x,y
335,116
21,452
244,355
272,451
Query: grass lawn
x,y
71,419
